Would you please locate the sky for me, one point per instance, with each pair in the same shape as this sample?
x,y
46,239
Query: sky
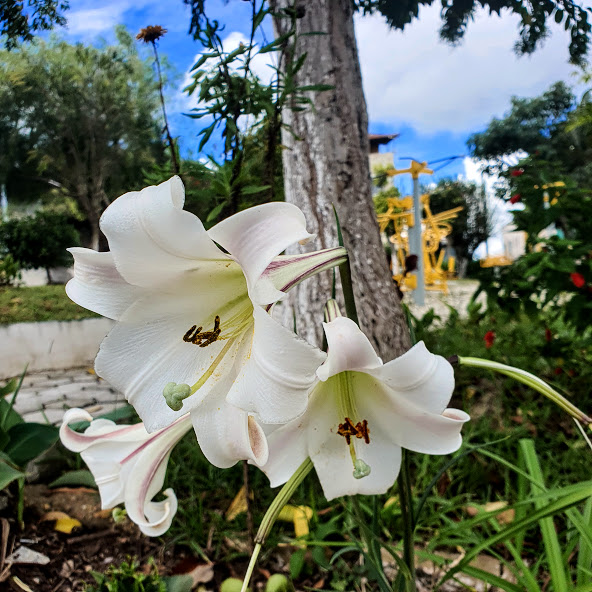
x,y
432,94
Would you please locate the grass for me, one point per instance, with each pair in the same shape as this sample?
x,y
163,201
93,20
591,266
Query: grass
x,y
39,303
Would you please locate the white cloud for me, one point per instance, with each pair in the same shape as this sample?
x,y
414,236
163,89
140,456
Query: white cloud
x,y
91,21
412,77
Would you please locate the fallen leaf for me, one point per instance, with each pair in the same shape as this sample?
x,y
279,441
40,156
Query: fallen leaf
x,y
21,584
26,555
66,525
53,516
238,505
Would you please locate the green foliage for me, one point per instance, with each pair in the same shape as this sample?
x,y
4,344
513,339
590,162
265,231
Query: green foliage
x,y
229,93
472,224
10,271
551,188
18,22
86,119
534,18
39,241
127,578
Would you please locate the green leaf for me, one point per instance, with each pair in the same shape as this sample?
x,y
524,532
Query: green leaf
x,y
215,212
183,583
8,474
550,540
29,440
251,189
550,509
9,387
11,417
315,87
80,478
558,16
296,563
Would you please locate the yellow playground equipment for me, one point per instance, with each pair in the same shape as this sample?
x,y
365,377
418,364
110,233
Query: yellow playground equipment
x,y
435,227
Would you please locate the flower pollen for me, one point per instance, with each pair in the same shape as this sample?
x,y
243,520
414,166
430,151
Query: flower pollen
x,y
196,336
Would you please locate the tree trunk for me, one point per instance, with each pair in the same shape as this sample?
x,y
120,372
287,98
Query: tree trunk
x,y
329,166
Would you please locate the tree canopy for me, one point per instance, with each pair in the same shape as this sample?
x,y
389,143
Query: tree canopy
x,y
20,20
86,117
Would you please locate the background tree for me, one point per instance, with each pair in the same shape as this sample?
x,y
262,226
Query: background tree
x,y
39,241
551,189
19,20
472,225
87,118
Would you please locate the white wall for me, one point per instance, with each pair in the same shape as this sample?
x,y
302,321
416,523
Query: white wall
x,y
52,345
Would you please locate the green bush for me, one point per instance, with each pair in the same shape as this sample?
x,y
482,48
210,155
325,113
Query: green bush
x,y
39,241
10,271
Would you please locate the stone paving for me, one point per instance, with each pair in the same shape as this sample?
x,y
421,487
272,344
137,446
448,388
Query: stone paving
x,y
45,396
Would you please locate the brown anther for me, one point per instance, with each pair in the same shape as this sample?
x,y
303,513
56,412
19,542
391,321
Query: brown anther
x,y
347,430
362,431
196,336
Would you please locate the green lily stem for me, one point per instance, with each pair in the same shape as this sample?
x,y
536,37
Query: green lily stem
x,y
530,380
281,499
405,501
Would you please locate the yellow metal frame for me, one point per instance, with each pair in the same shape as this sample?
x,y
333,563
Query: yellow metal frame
x,y
435,228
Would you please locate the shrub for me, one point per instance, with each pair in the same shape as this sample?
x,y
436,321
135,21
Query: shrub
x,y
39,241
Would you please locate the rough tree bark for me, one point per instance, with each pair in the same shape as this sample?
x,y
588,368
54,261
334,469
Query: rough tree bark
x,y
329,165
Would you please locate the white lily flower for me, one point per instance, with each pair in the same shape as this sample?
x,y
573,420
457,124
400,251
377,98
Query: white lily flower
x,y
362,412
193,334
128,465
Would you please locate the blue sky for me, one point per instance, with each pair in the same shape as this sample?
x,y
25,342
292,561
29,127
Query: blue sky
x,y
432,94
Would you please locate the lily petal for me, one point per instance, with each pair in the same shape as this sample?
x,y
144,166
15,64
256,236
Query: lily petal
x,y
153,240
288,450
227,434
97,285
281,368
287,271
407,424
348,349
331,455
146,350
255,236
425,379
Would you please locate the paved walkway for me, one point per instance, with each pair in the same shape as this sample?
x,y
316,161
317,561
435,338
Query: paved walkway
x,y
45,396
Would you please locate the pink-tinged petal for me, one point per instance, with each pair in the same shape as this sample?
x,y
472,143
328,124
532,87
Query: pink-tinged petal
x,y
278,373
406,424
153,240
227,434
424,379
348,349
145,480
255,236
97,285
146,350
287,451
100,431
287,271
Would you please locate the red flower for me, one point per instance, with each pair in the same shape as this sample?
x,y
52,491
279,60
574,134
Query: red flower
x,y
515,198
489,338
548,335
517,172
577,279
558,371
